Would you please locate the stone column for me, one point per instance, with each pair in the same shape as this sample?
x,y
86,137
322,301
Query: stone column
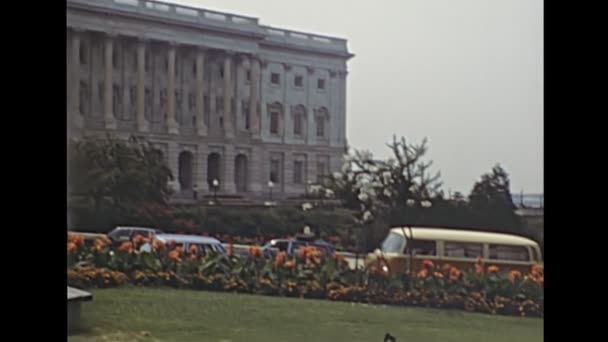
x,y
172,125
238,80
228,124
311,136
201,166
142,123
201,127
75,80
257,169
110,121
75,72
253,96
228,176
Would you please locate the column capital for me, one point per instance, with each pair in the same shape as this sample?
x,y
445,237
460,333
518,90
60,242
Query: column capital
x,y
310,69
287,66
173,44
78,29
111,35
333,73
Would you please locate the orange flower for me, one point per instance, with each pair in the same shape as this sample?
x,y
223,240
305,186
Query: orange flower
x,y
71,247
174,256
454,274
541,280
537,270
100,244
513,275
492,269
158,245
78,240
446,267
255,252
428,264
302,253
438,275
192,257
138,240
423,273
126,246
193,249
290,264
179,249
280,259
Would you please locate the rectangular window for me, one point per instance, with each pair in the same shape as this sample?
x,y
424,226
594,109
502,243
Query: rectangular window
x,y
274,170
83,53
320,171
298,170
115,60
298,81
463,250
297,125
275,78
248,75
194,68
83,97
219,104
512,253
321,83
191,102
221,72
274,123
320,121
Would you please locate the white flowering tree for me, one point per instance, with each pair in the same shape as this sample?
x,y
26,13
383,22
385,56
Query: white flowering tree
x,y
384,191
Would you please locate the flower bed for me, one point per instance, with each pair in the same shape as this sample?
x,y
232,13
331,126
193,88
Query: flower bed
x,y
310,274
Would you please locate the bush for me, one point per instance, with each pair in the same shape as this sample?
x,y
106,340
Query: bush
x,y
309,274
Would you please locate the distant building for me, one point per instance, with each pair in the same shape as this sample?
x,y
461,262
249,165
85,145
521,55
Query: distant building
x,y
222,96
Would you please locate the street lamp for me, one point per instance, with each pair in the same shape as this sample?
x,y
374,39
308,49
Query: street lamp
x,y
270,186
216,184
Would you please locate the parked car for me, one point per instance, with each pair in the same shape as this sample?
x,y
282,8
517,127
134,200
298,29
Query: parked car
x,y
121,234
291,246
206,245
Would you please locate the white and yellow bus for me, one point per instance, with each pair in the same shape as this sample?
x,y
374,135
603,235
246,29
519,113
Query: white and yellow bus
x,y
457,247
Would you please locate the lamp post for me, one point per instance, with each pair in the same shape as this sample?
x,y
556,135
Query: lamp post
x,y
270,186
216,184
195,191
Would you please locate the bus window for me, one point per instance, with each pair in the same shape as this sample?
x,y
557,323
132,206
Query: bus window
x,y
512,253
423,247
463,250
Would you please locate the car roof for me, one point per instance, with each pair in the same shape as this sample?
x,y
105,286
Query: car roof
x,y
179,238
463,236
317,242
142,228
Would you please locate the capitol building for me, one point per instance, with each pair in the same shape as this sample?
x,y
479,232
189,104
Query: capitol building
x,y
234,106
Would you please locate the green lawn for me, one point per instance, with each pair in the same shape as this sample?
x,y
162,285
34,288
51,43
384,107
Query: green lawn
x,y
138,314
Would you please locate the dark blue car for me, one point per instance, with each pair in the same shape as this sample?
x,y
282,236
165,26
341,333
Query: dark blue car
x,y
291,246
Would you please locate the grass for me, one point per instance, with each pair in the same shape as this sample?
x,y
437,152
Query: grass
x,y
167,315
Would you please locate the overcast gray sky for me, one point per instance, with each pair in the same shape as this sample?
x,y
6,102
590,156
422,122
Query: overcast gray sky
x,y
467,74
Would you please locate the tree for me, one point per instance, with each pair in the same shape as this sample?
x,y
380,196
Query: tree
x,y
491,202
120,173
388,192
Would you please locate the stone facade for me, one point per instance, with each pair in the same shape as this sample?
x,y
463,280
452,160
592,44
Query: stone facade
x,y
221,96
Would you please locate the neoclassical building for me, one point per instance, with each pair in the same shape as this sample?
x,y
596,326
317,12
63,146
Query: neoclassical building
x,y
222,96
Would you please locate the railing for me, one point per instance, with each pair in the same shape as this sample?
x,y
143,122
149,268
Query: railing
x,y
179,11
296,37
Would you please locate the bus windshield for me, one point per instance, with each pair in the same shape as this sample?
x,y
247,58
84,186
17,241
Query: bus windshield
x,y
393,243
